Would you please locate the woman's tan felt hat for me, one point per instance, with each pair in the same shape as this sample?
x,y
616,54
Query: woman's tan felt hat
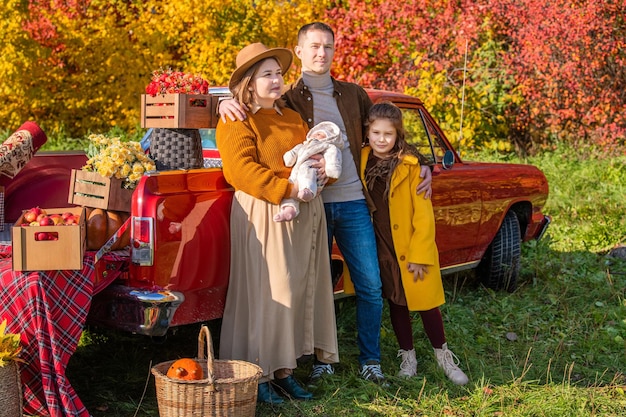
x,y
254,53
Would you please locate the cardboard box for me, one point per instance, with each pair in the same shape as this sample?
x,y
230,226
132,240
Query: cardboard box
x,y
30,254
178,111
91,189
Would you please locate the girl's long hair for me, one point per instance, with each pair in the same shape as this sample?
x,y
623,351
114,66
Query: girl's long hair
x,y
384,168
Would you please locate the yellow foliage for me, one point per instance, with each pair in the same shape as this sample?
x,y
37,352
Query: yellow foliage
x,y
9,345
93,82
466,117
16,58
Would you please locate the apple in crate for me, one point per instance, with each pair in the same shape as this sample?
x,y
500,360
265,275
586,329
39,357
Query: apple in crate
x,y
33,214
46,236
46,221
56,218
69,218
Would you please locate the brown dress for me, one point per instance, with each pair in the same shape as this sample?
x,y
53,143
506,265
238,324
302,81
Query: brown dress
x,y
279,304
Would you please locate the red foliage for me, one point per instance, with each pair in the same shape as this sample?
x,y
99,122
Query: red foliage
x,y
39,25
567,58
376,38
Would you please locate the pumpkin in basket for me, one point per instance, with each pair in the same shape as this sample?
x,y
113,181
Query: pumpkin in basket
x,y
187,369
102,224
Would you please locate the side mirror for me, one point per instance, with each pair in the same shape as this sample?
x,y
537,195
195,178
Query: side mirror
x,y
448,160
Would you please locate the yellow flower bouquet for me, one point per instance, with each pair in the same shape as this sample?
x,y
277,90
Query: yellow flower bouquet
x,y
113,158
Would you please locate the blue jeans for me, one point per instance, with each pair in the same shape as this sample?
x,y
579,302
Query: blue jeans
x,y
351,225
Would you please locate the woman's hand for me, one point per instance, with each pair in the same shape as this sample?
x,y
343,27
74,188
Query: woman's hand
x,y
419,271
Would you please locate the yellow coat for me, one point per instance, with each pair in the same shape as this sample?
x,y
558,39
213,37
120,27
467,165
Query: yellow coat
x,y
413,232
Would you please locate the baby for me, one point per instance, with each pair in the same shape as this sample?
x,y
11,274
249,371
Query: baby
x,y
324,138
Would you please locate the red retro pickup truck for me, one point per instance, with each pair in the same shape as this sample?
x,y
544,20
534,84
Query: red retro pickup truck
x,y
179,254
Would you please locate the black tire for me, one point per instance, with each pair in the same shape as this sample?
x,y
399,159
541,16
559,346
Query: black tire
x,y
500,265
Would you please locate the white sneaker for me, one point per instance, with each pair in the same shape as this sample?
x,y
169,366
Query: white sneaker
x,y
408,367
449,362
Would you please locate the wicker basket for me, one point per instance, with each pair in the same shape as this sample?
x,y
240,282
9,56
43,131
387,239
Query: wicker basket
x,y
230,388
10,390
176,149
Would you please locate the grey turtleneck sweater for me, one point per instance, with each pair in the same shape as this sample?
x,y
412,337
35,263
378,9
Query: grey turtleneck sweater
x,y
348,187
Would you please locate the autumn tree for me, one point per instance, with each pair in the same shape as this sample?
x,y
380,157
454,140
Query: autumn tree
x,y
80,64
536,71
18,54
77,66
420,47
376,38
568,62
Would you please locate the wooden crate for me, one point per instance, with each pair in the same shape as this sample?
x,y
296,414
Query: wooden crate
x,y
91,189
178,111
30,254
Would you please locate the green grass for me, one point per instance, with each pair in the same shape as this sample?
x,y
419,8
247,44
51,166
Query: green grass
x,y
554,347
62,142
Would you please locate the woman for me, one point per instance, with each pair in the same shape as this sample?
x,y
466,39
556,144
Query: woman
x,y
279,304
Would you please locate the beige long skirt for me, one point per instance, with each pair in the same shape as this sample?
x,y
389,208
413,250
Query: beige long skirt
x,y
279,304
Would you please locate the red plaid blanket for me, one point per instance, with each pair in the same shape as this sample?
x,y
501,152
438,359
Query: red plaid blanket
x,y
49,309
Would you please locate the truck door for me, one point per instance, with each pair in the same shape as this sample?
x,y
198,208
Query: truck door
x,y
456,193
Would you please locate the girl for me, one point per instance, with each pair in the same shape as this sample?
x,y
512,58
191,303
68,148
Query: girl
x,y
405,235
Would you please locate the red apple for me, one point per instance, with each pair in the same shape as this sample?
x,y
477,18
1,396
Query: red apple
x,y
42,236
67,215
31,214
46,221
34,212
70,220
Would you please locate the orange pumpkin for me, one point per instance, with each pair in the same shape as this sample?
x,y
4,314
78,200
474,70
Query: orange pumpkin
x,y
102,224
187,369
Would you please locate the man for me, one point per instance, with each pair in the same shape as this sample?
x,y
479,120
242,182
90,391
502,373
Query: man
x,y
320,98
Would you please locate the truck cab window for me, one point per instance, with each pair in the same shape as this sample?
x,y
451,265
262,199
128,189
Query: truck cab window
x,y
421,133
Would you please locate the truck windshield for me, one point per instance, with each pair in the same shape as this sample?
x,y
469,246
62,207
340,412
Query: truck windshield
x,y
208,138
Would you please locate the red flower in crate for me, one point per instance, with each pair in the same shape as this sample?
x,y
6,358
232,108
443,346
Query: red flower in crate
x,y
166,81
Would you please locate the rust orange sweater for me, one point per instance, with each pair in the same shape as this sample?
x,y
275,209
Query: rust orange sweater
x,y
252,152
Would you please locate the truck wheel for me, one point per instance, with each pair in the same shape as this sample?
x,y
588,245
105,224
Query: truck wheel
x,y
500,265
